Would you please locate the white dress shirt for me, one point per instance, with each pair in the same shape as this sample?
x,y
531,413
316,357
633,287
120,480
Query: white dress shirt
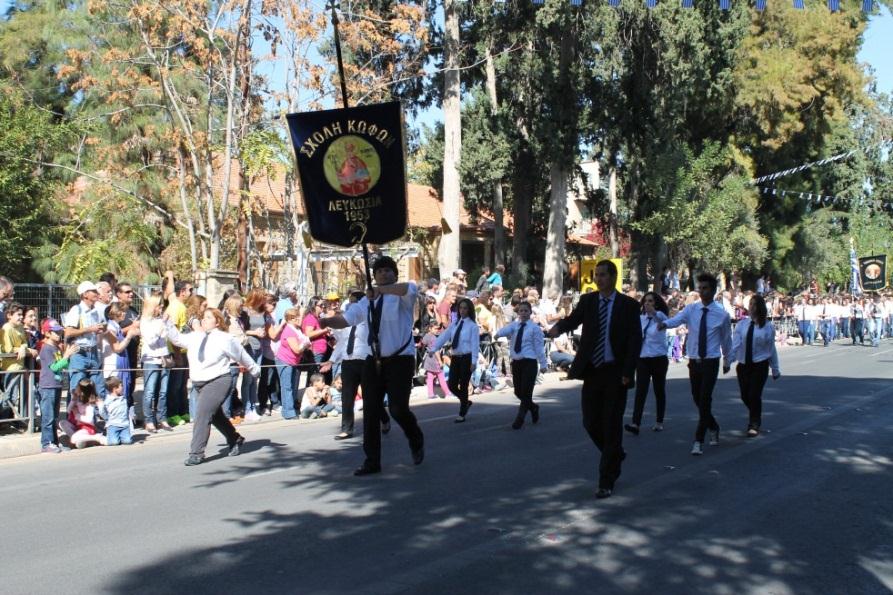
x,y
81,317
763,344
396,321
533,345
469,341
361,349
654,341
220,349
719,329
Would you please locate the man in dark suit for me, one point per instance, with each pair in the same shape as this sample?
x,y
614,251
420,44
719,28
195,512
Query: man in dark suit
x,y
606,362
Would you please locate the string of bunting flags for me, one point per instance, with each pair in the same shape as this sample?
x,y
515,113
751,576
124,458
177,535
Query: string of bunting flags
x,y
808,196
802,167
760,5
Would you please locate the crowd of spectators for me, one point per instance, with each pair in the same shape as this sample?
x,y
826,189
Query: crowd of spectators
x,y
103,345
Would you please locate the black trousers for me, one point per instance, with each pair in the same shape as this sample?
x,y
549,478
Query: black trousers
x,y
751,380
648,369
703,375
351,378
208,412
603,402
524,373
394,378
460,376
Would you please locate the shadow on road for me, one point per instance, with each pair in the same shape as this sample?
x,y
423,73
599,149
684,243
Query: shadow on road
x,y
497,511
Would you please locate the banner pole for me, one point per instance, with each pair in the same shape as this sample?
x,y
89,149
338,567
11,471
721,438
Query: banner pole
x,y
333,6
372,331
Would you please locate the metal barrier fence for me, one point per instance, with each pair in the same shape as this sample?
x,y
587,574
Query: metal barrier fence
x,y
17,390
55,300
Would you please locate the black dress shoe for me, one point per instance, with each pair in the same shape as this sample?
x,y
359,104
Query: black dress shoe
x,y
535,414
632,429
343,436
418,455
235,449
603,493
463,409
385,427
519,418
367,469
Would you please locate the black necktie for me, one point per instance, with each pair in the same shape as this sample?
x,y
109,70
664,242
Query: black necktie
x,y
350,340
519,338
457,334
748,350
647,324
702,335
201,348
598,357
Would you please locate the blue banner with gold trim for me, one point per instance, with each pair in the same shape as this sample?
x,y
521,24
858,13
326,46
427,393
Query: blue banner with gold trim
x,y
352,169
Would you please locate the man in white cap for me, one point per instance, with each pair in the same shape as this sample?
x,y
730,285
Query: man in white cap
x,y
83,326
459,278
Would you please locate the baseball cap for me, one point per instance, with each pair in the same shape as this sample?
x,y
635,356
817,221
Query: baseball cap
x,y
459,272
332,296
51,324
86,286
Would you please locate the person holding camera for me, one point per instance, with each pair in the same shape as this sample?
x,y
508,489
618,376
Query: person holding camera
x,y
83,327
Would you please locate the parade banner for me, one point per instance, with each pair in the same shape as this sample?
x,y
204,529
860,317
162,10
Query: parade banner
x,y
873,271
351,166
587,274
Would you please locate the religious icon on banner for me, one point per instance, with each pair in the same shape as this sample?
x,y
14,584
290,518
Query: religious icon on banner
x,y
873,271
352,171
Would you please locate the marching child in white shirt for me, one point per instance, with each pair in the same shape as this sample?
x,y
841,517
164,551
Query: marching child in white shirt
x,y
526,348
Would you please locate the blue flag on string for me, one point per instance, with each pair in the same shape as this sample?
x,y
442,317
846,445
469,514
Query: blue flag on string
x,y
761,5
576,2
614,3
539,1
688,4
725,4
867,5
834,5
798,4
650,3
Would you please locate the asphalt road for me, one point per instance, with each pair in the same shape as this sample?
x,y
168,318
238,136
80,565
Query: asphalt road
x,y
805,508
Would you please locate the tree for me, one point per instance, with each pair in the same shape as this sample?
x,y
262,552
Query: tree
x,y
28,192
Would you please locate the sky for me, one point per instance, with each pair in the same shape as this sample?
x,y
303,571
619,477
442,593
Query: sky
x,y
877,51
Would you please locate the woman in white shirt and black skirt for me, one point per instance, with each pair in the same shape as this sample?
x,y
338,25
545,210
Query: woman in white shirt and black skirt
x,y
653,362
210,352
465,340
753,347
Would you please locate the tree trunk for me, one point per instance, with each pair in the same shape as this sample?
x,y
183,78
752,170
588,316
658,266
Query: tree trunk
x,y
612,213
522,195
243,60
553,267
450,251
498,223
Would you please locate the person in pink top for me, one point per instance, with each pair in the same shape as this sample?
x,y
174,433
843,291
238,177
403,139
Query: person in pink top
x,y
292,343
80,424
318,336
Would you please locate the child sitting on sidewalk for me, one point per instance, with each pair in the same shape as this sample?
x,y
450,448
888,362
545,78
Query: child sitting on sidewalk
x,y
335,393
115,412
317,399
80,427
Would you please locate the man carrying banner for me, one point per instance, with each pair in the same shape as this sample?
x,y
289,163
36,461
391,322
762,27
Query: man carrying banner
x,y
390,368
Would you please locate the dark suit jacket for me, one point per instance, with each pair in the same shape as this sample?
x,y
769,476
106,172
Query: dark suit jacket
x,y
625,333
